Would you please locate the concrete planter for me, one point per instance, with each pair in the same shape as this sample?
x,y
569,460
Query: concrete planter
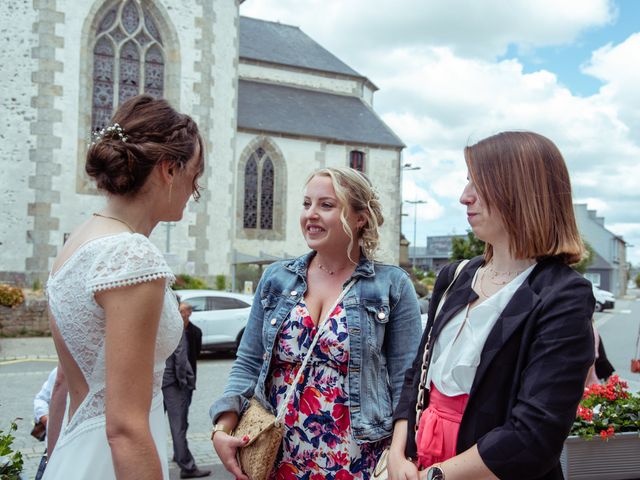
x,y
615,459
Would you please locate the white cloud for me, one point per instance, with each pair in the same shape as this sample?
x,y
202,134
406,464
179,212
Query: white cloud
x,y
363,29
616,65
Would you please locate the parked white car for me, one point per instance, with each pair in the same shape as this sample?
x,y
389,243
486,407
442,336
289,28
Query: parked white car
x,y
222,316
604,299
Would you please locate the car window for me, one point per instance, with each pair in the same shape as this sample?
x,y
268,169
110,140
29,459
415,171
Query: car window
x,y
199,304
227,303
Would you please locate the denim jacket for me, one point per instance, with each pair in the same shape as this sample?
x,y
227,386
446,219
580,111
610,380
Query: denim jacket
x,y
383,319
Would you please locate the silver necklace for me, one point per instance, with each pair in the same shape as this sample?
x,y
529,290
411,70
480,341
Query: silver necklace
x,y
500,278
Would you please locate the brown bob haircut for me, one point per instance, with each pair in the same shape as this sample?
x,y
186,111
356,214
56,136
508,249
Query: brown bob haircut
x,y
523,177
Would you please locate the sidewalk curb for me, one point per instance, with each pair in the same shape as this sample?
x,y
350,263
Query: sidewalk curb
x,y
27,358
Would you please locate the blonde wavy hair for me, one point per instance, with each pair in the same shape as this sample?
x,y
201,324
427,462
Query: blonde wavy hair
x,y
354,189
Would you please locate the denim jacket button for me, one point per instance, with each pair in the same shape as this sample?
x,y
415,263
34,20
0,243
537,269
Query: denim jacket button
x,y
294,293
273,321
381,315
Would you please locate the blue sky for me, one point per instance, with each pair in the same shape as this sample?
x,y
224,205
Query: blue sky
x,y
452,72
565,60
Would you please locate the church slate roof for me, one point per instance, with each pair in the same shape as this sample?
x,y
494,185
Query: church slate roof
x,y
287,45
295,111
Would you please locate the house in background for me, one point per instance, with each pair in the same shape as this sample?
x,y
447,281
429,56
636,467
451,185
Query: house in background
x,y
609,269
435,255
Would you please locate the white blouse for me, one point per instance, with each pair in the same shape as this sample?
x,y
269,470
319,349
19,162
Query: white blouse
x,y
457,350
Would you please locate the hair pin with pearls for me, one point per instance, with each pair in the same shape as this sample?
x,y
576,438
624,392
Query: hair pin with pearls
x,y
111,131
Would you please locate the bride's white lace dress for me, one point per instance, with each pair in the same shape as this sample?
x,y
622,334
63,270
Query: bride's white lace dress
x,y
82,451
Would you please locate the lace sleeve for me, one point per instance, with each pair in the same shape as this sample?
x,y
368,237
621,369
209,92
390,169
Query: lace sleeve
x,y
127,261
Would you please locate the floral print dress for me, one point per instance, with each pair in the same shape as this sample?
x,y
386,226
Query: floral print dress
x,y
317,443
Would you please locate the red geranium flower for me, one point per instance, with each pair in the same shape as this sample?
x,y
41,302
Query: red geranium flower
x,y
606,409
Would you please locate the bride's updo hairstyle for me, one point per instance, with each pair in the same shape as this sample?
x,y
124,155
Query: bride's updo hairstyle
x,y
144,132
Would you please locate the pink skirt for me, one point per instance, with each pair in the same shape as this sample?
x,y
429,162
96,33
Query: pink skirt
x,y
438,430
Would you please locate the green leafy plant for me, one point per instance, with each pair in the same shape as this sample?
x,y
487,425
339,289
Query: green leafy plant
x,y
221,282
36,286
607,409
469,247
187,282
10,460
590,255
10,296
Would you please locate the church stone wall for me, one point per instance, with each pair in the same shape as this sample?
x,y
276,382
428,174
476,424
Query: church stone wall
x,y
17,111
223,120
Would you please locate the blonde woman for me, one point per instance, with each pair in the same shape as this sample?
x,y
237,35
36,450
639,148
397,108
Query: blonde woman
x,y
339,418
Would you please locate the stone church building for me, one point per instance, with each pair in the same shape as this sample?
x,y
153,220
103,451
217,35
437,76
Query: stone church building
x,y
271,103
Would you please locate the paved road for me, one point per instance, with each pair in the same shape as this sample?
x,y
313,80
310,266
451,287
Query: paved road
x,y
25,364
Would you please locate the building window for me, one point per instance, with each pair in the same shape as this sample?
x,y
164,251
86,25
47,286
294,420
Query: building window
x,y
128,59
259,180
356,160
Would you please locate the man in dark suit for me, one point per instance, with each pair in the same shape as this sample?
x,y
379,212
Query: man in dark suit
x,y
194,337
178,383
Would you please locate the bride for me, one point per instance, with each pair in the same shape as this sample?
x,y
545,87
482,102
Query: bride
x,y
114,318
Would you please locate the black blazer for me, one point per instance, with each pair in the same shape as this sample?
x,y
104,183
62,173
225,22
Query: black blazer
x,y
194,339
531,373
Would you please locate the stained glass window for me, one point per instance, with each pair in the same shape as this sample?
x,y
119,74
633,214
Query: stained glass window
x,y
259,181
154,72
266,195
356,160
102,83
130,17
251,193
128,59
129,71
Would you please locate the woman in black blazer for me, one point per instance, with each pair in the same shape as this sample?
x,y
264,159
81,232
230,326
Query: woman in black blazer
x,y
534,351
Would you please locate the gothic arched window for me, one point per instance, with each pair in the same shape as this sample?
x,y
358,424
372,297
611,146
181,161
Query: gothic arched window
x,y
259,181
128,59
251,193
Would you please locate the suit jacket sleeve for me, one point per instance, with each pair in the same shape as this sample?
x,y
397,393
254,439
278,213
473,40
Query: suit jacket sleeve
x,y
529,443
182,366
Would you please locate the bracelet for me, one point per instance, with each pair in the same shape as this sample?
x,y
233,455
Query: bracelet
x,y
219,427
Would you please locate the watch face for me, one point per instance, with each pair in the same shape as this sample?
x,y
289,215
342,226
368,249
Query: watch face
x,y
435,473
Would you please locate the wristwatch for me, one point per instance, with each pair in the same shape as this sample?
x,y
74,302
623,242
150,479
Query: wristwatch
x,y
435,473
219,427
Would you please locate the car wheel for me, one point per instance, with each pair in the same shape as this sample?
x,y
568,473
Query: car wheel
x,y
599,307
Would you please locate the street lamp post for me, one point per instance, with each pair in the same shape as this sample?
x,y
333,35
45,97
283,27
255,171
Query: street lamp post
x,y
415,228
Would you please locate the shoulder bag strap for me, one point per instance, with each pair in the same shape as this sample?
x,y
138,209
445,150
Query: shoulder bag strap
x,y
426,356
291,388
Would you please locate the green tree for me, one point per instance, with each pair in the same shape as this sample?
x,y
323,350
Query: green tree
x,y
582,265
221,282
637,280
469,247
